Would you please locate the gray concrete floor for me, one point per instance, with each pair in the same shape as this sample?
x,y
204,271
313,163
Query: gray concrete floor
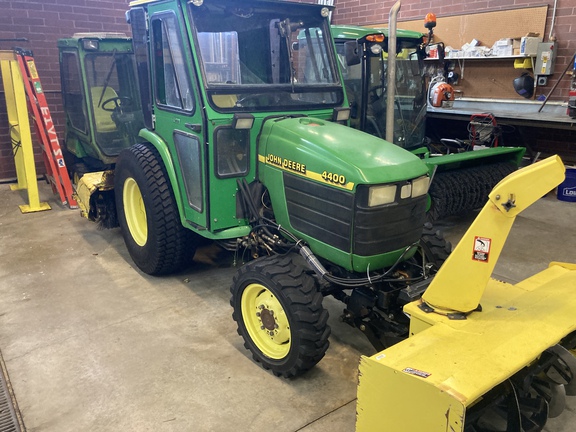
x,y
92,344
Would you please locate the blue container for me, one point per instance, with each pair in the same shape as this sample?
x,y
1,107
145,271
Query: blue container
x,y
567,189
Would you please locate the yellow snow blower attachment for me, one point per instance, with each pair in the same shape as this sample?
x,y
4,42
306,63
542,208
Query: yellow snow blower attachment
x,y
483,355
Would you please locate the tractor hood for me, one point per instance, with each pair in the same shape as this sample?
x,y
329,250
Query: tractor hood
x,y
334,154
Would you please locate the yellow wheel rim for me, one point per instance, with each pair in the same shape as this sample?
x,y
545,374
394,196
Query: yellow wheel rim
x,y
266,321
135,211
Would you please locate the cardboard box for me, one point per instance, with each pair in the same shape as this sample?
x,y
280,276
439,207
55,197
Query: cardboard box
x,y
526,45
529,45
503,42
503,51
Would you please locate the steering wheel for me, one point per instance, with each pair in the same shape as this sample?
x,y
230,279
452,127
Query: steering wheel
x,y
373,93
119,103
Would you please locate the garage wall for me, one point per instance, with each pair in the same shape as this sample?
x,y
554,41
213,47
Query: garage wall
x,y
43,22
375,12
537,139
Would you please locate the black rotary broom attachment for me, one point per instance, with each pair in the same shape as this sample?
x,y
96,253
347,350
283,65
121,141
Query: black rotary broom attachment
x,y
526,401
461,190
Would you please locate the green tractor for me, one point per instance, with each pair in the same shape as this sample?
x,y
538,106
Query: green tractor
x,y
227,122
462,178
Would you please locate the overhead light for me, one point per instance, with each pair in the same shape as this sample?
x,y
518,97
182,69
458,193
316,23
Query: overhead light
x,y
90,44
197,2
242,121
324,12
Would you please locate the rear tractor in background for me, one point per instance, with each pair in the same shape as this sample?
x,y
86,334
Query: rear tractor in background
x,y
462,177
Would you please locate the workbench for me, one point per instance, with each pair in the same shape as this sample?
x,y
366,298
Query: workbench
x,y
513,112
550,131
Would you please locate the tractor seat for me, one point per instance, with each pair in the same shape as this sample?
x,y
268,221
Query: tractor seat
x,y
103,119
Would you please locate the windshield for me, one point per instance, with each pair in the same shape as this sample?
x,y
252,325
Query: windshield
x,y
264,58
368,112
113,99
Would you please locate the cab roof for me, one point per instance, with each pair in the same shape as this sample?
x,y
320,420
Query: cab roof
x,y
244,2
356,32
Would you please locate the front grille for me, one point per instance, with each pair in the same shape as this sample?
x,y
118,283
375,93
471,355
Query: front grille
x,y
338,218
320,211
391,227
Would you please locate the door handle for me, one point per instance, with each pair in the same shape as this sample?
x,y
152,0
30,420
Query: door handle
x,y
193,127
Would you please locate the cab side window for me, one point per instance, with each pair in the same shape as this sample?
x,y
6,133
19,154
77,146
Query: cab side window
x,y
172,83
72,91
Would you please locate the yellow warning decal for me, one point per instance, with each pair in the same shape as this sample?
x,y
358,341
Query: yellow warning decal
x,y
299,168
32,69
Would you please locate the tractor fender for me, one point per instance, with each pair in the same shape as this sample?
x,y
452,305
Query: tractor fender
x,y
168,162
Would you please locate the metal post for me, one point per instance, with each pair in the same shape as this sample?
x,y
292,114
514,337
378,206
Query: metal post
x,y
391,75
20,131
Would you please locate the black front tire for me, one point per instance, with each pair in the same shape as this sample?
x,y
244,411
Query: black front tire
x,y
435,247
279,313
156,239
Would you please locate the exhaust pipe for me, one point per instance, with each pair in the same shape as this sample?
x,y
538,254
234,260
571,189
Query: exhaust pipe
x,y
391,75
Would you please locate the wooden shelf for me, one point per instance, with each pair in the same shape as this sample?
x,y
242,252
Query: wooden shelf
x,y
490,57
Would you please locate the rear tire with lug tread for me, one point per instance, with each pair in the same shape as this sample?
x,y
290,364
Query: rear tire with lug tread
x,y
279,313
148,215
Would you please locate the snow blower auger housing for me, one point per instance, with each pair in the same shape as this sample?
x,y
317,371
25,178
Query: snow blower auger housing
x,y
483,355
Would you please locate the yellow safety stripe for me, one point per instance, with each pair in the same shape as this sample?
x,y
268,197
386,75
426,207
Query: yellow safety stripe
x,y
308,174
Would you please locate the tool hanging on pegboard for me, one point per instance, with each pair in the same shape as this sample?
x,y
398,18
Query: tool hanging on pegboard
x,y
57,172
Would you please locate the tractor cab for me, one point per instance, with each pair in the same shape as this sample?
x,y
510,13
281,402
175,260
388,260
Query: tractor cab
x,y
101,98
363,56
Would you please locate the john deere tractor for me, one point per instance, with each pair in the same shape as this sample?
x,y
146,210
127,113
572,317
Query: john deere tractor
x,y
226,121
462,178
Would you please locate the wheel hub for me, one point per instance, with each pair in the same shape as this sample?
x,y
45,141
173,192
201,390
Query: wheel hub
x,y
267,319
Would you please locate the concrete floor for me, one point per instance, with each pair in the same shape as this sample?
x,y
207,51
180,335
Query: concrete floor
x,y
92,344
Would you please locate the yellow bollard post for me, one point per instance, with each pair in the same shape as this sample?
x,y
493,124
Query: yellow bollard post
x,y
20,134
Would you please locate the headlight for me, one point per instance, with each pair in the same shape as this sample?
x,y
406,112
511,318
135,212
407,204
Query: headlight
x,y
420,186
378,195
386,194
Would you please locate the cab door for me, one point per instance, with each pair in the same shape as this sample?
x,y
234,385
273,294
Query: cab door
x,y
177,110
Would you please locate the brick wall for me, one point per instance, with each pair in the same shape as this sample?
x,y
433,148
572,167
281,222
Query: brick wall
x,y
43,22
